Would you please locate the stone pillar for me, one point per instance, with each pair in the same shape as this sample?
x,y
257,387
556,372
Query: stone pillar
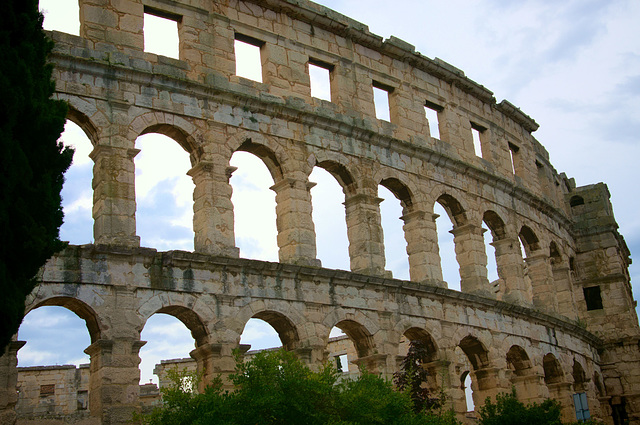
x,y
544,294
312,356
113,21
530,388
375,363
114,200
488,382
114,379
213,223
366,243
422,247
561,392
9,382
563,290
296,232
217,360
511,271
472,258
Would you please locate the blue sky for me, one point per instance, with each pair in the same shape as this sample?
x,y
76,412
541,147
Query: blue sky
x,y
574,66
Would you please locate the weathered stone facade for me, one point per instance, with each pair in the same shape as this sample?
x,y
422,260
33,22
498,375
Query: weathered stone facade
x,y
561,322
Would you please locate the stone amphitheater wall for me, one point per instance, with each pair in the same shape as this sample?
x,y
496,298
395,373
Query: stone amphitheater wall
x,y
562,319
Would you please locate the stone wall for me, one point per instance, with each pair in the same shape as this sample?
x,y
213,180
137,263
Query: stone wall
x,y
562,320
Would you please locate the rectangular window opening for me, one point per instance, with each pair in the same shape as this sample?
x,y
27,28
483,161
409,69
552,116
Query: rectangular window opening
x,y
476,132
61,15
381,101
593,298
320,79
248,60
431,110
342,363
513,152
161,33
47,390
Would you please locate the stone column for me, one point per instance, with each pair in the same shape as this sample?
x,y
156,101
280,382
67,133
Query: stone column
x,y
472,258
422,247
213,223
511,271
544,294
217,360
488,382
9,382
114,200
313,356
530,388
366,243
563,289
296,232
114,379
561,392
376,364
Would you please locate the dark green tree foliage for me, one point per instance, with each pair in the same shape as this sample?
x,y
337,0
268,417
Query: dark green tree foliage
x,y
412,377
276,388
507,410
32,162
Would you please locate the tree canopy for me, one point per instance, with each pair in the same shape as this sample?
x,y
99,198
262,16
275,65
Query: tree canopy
x,y
276,388
32,161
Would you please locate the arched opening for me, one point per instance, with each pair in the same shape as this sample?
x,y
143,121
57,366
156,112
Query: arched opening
x,y
494,231
529,240
342,352
428,349
579,378
168,344
447,248
327,198
463,399
254,204
396,203
61,15
164,192
576,201
553,373
77,194
53,370
284,329
522,377
478,357
554,253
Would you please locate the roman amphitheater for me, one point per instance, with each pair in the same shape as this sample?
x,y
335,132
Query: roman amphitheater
x,y
559,322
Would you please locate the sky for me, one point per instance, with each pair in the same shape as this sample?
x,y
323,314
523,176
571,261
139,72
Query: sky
x,y
573,66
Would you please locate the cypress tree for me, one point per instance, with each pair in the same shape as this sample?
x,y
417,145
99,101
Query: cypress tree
x,y
32,161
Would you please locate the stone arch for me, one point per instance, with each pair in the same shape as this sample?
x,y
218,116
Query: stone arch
x,y
174,127
554,253
419,334
457,213
84,122
357,326
190,319
286,321
518,361
475,351
495,224
80,308
401,191
188,309
580,379
284,326
529,239
267,155
341,174
553,373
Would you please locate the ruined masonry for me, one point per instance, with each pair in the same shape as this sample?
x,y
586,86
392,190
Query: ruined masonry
x,y
559,322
